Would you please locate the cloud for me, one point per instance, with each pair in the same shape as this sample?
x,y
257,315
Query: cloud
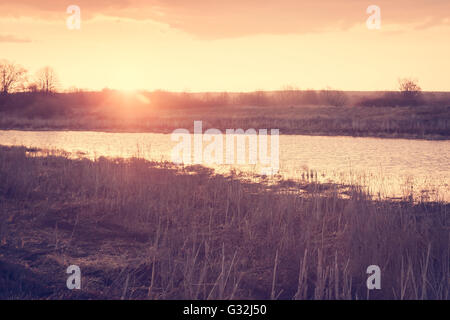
x,y
13,38
232,18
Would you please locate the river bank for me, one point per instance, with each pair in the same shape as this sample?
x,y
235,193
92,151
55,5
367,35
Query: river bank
x,y
148,230
418,122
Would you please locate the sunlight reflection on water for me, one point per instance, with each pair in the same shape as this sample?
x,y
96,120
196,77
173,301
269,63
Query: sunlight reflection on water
x,y
387,167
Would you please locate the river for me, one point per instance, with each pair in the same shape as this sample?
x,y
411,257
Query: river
x,y
387,167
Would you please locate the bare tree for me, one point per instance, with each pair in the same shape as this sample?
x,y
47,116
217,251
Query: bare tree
x,y
12,76
32,87
46,80
409,87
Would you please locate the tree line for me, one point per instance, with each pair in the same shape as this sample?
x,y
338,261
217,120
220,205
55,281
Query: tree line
x,y
15,78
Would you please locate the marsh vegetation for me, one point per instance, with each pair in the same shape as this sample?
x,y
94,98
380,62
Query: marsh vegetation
x,y
150,230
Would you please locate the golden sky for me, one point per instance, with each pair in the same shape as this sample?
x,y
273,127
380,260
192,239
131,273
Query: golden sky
x,y
234,45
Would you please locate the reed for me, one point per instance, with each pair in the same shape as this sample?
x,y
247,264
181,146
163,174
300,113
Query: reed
x,y
147,230
423,122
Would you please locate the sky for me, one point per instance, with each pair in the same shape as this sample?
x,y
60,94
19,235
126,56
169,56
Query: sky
x,y
234,45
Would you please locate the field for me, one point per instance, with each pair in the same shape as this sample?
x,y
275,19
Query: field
x,y
165,112
146,230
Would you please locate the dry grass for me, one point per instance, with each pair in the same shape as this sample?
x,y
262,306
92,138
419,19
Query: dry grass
x,y
427,121
142,230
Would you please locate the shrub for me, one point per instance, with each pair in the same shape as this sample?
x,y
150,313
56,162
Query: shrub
x,y
335,98
46,107
391,99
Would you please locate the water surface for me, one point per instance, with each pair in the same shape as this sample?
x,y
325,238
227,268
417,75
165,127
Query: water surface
x,y
387,167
